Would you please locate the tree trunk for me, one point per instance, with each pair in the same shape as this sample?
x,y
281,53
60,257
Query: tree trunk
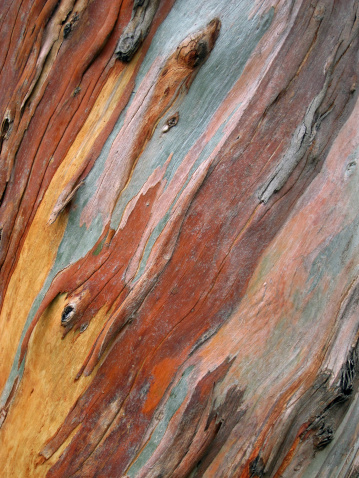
x,y
179,238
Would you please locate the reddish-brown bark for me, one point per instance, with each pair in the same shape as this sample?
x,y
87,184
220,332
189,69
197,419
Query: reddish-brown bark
x,y
205,324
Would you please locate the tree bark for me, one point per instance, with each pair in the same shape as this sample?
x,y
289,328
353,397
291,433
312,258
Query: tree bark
x,y
179,238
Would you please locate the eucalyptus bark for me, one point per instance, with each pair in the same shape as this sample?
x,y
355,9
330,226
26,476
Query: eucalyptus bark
x,y
179,238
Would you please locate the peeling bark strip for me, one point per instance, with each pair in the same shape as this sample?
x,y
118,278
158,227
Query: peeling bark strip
x,y
64,199
302,139
179,239
137,30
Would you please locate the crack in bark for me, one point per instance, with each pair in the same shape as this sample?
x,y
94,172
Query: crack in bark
x,y
302,138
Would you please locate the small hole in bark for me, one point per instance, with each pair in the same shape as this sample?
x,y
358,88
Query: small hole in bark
x,y
76,91
67,313
67,30
171,122
256,468
5,126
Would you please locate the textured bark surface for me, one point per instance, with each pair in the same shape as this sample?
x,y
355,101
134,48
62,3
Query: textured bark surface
x,y
179,238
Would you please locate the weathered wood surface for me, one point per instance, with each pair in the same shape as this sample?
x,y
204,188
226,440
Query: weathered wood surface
x,y
179,238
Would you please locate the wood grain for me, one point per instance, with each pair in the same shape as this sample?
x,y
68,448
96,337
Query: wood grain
x,y
179,238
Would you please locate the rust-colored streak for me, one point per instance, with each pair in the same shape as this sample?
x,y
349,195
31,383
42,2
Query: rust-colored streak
x,y
198,424
73,98
196,357
99,278
47,124
164,326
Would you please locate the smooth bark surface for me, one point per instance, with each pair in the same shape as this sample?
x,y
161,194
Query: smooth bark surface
x,y
179,238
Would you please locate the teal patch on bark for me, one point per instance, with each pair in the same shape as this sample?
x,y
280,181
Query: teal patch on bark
x,y
152,239
207,150
284,337
99,247
223,68
70,251
332,259
175,400
15,372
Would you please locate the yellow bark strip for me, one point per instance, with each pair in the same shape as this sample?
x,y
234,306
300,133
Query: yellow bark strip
x,y
40,248
47,392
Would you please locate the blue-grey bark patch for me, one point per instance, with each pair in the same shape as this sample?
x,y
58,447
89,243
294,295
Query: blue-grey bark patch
x,y
175,400
332,259
211,85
